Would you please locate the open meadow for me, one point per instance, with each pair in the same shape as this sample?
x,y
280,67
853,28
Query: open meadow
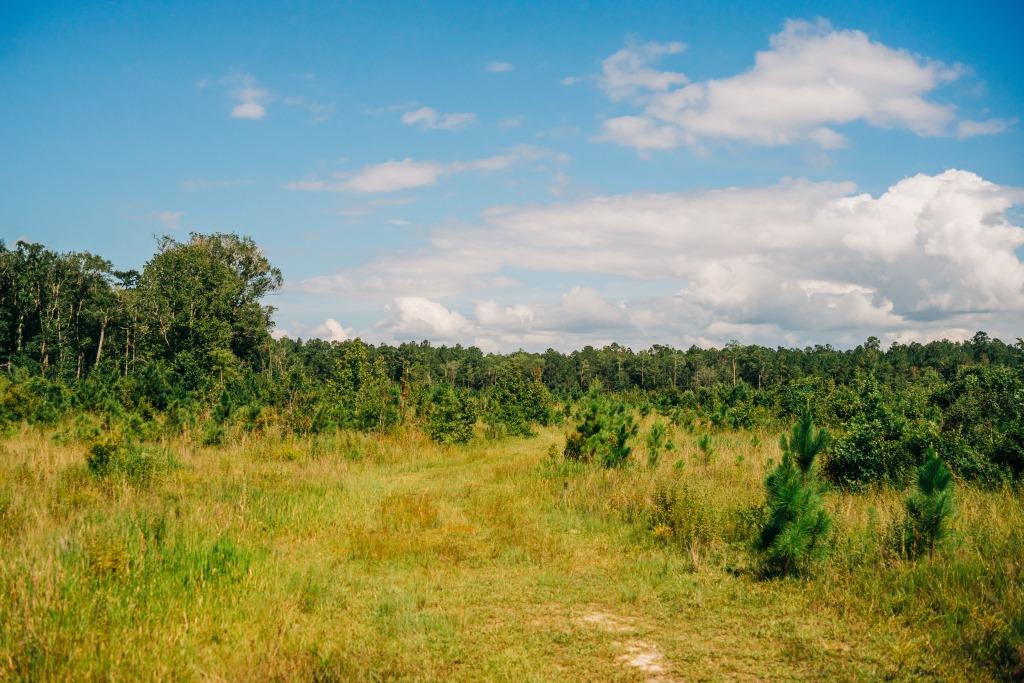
x,y
367,557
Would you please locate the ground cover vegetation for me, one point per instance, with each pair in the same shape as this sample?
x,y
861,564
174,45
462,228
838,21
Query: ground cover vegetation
x,y
182,495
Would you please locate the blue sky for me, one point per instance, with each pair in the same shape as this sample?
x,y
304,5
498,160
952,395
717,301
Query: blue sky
x,y
548,174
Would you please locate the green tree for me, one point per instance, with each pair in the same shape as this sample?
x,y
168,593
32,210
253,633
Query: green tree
x,y
203,296
796,529
929,507
452,415
805,441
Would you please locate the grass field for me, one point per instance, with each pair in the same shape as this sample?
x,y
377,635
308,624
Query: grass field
x,y
356,557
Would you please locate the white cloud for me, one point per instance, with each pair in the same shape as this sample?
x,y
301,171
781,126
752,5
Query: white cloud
x,y
811,79
331,330
812,261
426,117
171,220
414,317
393,176
628,71
969,129
570,80
249,96
498,67
248,110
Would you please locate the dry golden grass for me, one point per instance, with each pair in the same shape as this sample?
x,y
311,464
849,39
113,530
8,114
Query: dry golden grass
x,y
356,557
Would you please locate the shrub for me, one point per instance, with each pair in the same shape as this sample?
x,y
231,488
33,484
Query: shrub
x,y
213,434
515,404
797,526
983,425
452,416
603,433
132,462
881,445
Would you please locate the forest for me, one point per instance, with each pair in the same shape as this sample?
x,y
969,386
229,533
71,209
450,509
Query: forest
x,y
881,485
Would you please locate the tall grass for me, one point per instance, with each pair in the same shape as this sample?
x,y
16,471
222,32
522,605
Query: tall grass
x,y
361,557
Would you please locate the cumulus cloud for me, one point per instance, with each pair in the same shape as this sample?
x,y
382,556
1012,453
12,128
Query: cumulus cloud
x,y
331,330
796,261
428,118
499,67
811,79
406,174
414,317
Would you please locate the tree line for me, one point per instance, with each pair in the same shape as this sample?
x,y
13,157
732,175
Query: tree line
x,y
185,343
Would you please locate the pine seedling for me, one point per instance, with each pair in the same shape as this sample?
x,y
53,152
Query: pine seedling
x,y
796,531
706,447
657,443
930,506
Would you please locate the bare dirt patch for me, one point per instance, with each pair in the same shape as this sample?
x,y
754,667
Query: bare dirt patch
x,y
643,656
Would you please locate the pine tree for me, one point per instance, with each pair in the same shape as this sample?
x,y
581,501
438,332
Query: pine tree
x,y
805,441
795,533
929,507
706,447
657,441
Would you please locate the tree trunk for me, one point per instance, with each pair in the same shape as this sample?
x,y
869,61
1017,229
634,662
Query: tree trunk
x,y
99,345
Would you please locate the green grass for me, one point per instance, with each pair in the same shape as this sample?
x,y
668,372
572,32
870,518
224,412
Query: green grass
x,y
352,557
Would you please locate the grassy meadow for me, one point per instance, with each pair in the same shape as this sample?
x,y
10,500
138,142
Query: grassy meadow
x,y
365,557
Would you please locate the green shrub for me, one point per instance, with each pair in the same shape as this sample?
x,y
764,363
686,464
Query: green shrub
x,y
796,531
129,461
452,416
515,403
213,434
982,434
881,445
603,433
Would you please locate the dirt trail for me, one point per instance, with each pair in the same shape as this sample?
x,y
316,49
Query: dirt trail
x,y
642,655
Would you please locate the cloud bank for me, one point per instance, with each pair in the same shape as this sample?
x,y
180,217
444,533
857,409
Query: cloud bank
x,y
798,261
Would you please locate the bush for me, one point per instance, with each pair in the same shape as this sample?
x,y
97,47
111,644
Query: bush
x,y
603,433
983,426
129,461
515,404
881,445
707,448
452,416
